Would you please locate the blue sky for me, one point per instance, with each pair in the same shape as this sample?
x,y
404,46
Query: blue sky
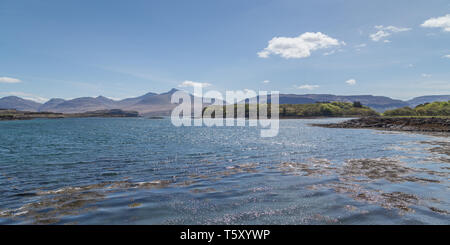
x,y
121,49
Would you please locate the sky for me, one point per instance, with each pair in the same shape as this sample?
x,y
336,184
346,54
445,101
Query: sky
x,y
120,49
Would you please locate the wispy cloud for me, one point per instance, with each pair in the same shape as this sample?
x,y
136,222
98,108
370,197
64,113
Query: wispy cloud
x,y
447,56
299,47
439,22
360,46
194,84
351,82
9,80
386,31
329,53
379,35
425,75
266,81
306,86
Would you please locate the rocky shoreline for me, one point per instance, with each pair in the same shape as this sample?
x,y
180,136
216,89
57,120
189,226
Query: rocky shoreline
x,y
416,124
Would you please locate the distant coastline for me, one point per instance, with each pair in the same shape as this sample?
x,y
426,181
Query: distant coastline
x,y
10,115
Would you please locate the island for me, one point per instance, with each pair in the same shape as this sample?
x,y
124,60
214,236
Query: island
x,y
7,114
300,111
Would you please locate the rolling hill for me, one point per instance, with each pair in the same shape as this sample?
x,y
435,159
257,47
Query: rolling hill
x,y
17,103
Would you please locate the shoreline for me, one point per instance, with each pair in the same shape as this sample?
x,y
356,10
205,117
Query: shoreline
x,y
14,115
403,124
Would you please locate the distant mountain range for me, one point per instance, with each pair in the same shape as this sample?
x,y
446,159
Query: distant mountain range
x,y
147,104
153,104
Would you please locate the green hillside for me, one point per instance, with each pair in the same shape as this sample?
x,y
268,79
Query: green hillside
x,y
427,109
328,109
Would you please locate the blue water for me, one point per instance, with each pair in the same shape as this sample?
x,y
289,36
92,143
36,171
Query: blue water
x,y
142,171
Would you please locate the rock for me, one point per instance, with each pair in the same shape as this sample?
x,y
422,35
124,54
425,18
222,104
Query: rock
x,y
433,124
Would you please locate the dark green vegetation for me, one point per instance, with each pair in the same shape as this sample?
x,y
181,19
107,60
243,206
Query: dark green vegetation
x,y
24,115
325,109
332,109
441,109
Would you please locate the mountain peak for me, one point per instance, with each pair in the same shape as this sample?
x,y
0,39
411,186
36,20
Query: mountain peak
x,y
54,101
11,97
173,90
101,97
149,94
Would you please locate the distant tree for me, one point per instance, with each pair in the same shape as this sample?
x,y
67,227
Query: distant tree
x,y
404,111
357,104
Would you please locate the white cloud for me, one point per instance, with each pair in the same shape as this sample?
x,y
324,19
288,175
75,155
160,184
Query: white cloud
x,y
26,96
299,47
263,54
351,81
439,22
392,28
447,56
266,81
386,31
9,80
425,75
306,86
379,35
329,53
194,84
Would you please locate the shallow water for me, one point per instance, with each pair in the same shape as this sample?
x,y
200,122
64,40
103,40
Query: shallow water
x,y
141,171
